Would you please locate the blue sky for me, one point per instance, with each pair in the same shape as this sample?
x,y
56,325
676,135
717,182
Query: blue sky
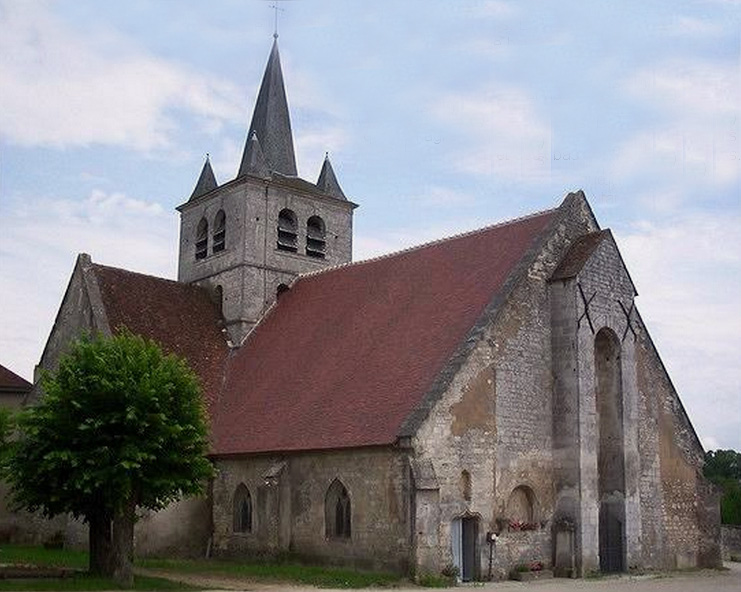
x,y
438,116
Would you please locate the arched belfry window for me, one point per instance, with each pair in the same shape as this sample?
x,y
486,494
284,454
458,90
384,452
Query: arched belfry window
x,y
219,243
202,239
242,509
337,511
316,233
287,231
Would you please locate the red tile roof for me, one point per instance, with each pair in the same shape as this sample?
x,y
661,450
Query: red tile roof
x,y
349,353
10,381
180,317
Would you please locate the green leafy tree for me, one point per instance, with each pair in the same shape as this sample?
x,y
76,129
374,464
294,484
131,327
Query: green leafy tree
x,y
6,429
121,425
723,467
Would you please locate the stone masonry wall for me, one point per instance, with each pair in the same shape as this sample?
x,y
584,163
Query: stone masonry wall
x,y
731,541
690,523
494,421
251,267
288,495
605,281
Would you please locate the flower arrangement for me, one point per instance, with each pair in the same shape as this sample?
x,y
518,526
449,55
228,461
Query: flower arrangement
x,y
520,525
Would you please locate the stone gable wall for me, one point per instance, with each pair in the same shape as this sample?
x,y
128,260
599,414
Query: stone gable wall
x,y
672,459
605,282
495,422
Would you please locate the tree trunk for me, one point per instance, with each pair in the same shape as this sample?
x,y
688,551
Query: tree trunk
x,y
123,544
99,540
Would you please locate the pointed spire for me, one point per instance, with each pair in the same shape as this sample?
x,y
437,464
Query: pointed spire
x,y
206,182
327,181
253,159
271,120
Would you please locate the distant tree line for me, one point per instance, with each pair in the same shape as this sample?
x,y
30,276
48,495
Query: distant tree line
x,y
723,467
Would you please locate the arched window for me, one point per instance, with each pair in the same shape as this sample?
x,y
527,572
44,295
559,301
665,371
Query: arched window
x,y
287,231
316,232
465,485
337,512
242,509
521,508
219,232
202,239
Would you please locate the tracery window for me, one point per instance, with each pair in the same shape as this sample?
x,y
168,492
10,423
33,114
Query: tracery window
x,y
315,237
338,511
219,243
242,509
202,239
287,231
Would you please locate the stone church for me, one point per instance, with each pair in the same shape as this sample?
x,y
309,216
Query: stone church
x,y
481,402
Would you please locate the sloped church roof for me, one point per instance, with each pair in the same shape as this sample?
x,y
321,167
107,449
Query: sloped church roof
x,y
348,354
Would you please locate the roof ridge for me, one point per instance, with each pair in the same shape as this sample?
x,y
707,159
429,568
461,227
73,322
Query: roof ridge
x,y
428,244
148,275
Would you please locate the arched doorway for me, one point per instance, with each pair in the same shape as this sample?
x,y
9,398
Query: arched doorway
x,y
465,543
610,455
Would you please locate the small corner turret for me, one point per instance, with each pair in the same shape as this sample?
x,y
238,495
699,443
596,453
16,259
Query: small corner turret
x,y
250,237
327,182
206,181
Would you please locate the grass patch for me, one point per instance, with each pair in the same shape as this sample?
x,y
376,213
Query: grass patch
x,y
428,580
311,575
280,571
29,555
84,582
23,554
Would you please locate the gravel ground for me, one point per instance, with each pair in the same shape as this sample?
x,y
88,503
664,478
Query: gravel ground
x,y
701,581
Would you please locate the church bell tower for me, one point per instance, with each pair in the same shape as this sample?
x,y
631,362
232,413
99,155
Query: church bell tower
x,y
247,239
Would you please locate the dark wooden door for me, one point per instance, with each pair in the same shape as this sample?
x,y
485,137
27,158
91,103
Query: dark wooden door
x,y
610,538
470,535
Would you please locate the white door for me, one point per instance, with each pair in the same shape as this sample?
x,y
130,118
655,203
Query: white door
x,y
456,540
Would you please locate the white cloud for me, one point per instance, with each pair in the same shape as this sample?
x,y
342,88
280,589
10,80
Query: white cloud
x,y
689,26
368,244
38,244
492,47
437,196
690,87
312,144
696,139
62,87
688,274
494,9
503,131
